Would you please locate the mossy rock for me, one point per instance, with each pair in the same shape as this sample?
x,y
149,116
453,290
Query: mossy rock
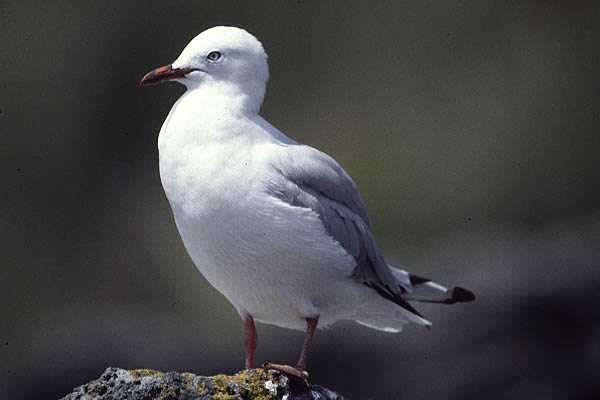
x,y
147,384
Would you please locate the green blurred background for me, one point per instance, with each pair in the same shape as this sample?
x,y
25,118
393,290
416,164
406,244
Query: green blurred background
x,y
470,127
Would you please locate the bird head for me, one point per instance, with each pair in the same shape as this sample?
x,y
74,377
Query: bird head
x,y
222,58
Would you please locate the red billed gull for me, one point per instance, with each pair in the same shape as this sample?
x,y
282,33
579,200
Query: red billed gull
x,y
276,226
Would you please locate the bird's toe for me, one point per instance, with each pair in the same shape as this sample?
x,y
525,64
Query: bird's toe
x,y
288,370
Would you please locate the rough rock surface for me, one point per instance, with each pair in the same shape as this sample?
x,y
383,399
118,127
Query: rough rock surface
x,y
146,384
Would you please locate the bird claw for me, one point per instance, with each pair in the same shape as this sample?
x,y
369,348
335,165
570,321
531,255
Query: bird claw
x,y
288,370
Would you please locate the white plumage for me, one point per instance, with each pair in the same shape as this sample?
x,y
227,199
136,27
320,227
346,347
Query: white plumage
x,y
276,226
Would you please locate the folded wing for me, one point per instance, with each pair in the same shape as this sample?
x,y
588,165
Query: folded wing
x,y
311,179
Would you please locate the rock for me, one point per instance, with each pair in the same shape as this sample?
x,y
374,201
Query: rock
x,y
146,384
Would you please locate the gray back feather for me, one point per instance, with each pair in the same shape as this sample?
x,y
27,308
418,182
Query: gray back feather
x,y
320,184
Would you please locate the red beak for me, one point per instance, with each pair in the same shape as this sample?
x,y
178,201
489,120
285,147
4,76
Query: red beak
x,y
163,74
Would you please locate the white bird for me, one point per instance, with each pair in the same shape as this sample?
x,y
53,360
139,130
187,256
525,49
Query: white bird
x,y
276,226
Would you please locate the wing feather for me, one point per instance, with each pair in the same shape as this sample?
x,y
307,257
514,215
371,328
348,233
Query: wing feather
x,y
312,179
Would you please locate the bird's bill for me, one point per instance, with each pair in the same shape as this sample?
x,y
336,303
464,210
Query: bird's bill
x,y
163,74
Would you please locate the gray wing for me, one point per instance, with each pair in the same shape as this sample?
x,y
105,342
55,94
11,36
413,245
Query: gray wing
x,y
312,179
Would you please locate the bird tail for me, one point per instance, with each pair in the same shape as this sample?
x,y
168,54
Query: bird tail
x,y
412,288
425,290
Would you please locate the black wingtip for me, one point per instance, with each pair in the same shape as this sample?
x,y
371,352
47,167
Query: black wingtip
x,y
415,279
394,298
462,295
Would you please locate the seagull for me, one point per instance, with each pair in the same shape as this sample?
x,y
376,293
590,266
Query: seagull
x,y
276,226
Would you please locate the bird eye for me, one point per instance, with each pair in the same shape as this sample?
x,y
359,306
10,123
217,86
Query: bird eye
x,y
213,56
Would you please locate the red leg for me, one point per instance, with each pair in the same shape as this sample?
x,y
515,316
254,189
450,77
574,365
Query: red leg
x,y
300,369
250,338
311,326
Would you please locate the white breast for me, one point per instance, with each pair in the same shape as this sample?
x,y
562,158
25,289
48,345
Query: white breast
x,y
260,252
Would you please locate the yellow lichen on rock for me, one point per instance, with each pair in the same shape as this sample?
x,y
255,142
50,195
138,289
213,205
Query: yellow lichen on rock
x,y
256,384
250,384
219,382
189,379
202,389
224,396
140,373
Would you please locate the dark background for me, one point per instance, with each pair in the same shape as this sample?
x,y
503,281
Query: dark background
x,y
470,127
